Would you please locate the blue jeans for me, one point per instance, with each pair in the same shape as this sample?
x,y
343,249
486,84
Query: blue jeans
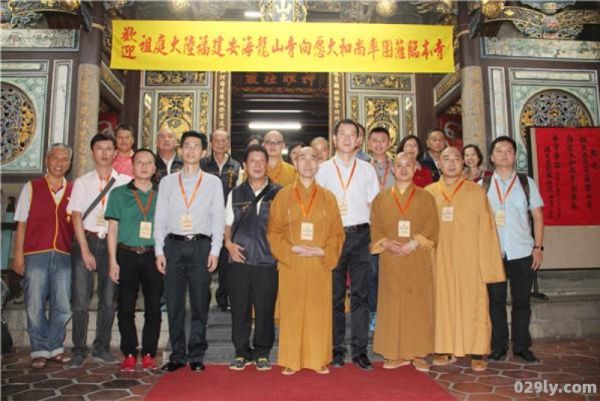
x,y
82,287
47,277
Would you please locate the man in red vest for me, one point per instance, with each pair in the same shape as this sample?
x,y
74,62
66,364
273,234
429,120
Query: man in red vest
x,y
42,255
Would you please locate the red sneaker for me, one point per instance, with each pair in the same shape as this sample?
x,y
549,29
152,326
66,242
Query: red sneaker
x,y
128,364
149,363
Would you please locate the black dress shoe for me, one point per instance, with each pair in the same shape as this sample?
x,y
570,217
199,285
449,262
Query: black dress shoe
x,y
196,366
363,362
338,361
224,308
172,366
497,355
526,355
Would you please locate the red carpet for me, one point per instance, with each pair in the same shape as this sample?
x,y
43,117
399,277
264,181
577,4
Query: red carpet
x,y
218,383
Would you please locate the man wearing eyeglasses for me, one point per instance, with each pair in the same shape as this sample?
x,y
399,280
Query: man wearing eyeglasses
x,y
190,220
278,171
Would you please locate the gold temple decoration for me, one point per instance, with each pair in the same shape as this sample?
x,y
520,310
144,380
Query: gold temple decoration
x,y
282,10
383,112
545,24
175,110
204,109
147,121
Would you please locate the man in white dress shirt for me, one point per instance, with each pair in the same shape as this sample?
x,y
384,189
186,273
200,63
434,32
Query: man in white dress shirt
x,y
90,252
354,183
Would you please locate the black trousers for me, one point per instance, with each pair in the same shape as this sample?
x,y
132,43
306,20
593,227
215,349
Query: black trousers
x,y
222,294
520,275
136,270
251,285
187,268
355,260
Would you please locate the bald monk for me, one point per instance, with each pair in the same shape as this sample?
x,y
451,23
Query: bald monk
x,y
306,236
278,171
321,147
404,230
466,259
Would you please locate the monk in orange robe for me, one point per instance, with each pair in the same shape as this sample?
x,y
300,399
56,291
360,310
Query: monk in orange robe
x,y
306,236
404,230
466,259
278,171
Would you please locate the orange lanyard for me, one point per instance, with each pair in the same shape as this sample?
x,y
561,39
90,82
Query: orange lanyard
x,y
347,184
403,210
449,198
305,212
502,198
385,174
143,208
188,204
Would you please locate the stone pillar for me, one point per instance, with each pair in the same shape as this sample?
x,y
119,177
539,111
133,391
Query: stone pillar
x,y
472,94
88,91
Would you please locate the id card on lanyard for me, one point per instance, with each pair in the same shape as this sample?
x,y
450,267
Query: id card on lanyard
x,y
187,222
448,210
306,228
145,230
403,224
343,202
500,215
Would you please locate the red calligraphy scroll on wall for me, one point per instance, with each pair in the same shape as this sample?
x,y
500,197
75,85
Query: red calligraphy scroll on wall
x,y
568,174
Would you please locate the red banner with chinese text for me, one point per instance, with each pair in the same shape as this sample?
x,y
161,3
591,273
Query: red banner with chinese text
x,y
280,47
568,164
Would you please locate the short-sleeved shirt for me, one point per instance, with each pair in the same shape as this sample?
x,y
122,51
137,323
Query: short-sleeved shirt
x,y
22,210
123,208
516,240
85,189
360,193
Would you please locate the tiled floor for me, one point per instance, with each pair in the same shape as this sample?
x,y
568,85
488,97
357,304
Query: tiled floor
x,y
563,362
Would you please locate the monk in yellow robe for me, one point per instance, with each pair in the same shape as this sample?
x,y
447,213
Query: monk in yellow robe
x,y
404,230
466,259
278,171
306,236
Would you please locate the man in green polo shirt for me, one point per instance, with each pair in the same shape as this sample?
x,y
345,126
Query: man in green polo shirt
x,y
130,212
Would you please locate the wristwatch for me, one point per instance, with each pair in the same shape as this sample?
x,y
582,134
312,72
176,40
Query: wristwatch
x,y
540,247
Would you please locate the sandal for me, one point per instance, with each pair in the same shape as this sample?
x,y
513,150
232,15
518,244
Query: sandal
x,y
61,358
38,363
288,371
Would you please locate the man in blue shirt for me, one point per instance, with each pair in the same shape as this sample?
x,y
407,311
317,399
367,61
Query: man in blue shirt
x,y
188,235
522,249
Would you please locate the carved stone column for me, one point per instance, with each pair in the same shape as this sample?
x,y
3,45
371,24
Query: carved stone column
x,y
472,96
88,92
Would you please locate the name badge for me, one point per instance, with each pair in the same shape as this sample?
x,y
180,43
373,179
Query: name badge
x,y
403,229
307,231
101,221
500,218
146,229
343,206
448,214
186,222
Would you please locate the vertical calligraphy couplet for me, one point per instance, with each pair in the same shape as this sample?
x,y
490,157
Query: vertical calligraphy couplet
x,y
568,162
